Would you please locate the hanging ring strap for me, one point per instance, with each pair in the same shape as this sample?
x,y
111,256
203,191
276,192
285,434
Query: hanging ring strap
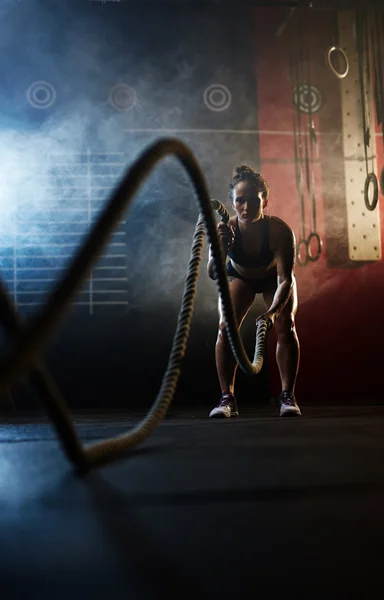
x,y
362,31
295,80
361,51
298,134
343,74
336,48
380,35
382,181
311,175
377,68
378,49
369,35
299,179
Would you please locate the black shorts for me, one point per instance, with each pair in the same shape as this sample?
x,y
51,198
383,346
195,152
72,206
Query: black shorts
x,y
258,286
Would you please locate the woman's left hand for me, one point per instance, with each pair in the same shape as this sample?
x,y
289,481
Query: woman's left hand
x,y
269,318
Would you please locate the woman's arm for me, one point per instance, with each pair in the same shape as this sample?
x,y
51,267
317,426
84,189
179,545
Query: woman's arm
x,y
285,252
226,234
210,264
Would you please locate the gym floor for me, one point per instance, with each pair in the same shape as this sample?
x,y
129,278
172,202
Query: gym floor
x,y
243,506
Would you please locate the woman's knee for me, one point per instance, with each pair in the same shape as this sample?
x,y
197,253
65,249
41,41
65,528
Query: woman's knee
x,y
220,331
285,324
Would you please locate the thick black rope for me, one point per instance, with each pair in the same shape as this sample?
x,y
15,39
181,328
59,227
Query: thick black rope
x,y
29,339
49,394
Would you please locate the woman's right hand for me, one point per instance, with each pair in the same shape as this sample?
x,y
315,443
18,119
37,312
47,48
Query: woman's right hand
x,y
226,234
227,237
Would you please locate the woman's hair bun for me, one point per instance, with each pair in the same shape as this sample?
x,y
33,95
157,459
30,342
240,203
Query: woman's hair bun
x,y
246,173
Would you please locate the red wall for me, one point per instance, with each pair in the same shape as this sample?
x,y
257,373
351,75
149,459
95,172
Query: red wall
x,y
340,320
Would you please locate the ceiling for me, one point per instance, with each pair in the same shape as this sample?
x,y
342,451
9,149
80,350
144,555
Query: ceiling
x,y
319,4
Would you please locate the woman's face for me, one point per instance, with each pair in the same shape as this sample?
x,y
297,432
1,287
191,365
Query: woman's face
x,y
248,202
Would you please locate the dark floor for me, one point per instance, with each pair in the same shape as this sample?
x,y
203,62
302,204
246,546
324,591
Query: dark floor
x,y
203,508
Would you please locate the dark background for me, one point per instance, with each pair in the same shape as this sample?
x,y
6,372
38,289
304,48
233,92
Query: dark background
x,y
169,54
60,164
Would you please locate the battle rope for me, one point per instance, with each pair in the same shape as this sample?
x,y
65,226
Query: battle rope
x,y
261,328
29,339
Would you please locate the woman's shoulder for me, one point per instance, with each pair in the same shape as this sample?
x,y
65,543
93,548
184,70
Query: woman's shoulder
x,y
279,225
281,233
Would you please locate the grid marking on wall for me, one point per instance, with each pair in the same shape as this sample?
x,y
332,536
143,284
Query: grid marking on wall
x,y
45,237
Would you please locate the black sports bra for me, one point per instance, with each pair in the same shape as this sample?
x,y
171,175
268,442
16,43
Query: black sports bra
x,y
238,255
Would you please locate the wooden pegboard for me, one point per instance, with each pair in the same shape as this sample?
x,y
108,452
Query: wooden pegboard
x,y
364,240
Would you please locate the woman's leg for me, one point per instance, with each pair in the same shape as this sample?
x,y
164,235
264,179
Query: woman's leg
x,y
242,299
288,348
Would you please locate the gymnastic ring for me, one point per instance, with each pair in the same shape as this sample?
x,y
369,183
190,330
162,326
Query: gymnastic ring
x,y
382,181
302,263
314,235
371,177
330,52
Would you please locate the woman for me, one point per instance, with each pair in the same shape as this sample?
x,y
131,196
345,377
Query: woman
x,y
261,250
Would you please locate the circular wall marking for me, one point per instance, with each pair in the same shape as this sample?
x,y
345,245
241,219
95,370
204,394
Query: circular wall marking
x,y
217,97
41,94
307,98
122,97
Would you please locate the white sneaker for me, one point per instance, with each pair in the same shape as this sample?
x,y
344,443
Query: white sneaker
x,y
288,405
226,407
